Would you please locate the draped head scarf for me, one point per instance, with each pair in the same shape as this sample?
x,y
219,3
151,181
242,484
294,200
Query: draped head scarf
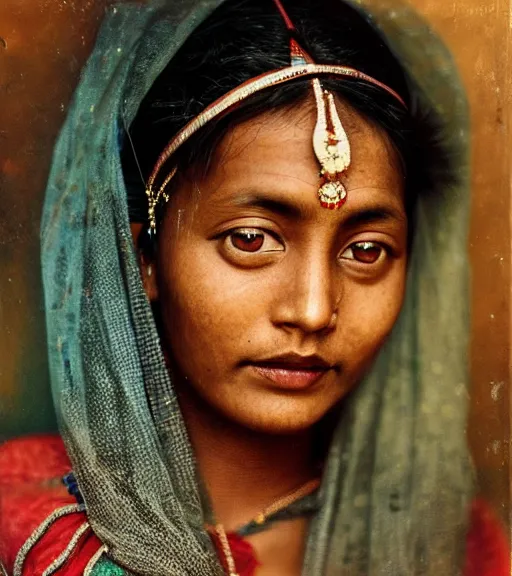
x,y
397,480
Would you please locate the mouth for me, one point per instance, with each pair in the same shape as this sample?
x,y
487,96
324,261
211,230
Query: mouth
x,y
292,371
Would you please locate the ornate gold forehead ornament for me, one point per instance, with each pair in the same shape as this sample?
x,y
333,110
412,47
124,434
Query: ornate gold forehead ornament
x,y
330,141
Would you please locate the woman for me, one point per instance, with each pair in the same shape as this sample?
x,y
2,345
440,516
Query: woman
x,y
284,175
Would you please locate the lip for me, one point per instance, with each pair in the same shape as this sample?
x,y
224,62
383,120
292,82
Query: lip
x,y
292,371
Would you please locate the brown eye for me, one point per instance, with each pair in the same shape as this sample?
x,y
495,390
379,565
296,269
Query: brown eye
x,y
251,247
364,252
247,240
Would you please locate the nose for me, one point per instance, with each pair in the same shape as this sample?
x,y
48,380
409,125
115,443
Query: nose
x,y
308,300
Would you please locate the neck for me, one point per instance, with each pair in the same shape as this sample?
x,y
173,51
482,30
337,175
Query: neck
x,y
244,471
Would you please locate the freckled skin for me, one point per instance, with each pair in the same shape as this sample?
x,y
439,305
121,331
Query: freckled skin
x,y
302,291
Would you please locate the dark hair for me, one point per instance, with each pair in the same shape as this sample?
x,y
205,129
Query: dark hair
x,y
245,38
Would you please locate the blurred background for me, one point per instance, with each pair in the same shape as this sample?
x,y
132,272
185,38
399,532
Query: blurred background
x,y
43,45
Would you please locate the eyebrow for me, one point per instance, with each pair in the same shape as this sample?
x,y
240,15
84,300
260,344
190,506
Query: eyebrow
x,y
380,212
368,215
279,206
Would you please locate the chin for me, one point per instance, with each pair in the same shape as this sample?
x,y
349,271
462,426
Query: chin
x,y
283,415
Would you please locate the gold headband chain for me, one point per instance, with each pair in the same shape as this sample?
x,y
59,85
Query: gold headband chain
x,y
330,141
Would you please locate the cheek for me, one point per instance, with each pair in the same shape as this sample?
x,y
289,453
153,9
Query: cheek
x,y
370,312
208,310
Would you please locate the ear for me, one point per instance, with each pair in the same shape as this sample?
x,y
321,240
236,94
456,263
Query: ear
x,y
147,263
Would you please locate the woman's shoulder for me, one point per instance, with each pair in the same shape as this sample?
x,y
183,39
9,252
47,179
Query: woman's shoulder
x,y
32,458
41,523
38,517
31,469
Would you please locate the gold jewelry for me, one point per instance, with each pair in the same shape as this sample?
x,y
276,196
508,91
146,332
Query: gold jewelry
x,y
260,518
285,501
332,148
226,550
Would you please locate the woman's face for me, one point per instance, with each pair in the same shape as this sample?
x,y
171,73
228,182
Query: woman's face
x,y
272,306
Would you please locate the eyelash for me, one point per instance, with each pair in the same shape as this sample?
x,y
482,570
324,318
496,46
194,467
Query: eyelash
x,y
364,245
265,235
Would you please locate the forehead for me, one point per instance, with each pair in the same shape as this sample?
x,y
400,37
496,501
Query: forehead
x,y
278,146
267,165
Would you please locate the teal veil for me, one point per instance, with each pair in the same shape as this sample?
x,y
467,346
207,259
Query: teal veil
x,y
398,479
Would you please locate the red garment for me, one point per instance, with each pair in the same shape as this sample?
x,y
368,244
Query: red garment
x,y
30,490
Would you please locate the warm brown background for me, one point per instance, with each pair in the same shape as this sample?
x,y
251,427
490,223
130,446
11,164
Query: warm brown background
x,y
43,44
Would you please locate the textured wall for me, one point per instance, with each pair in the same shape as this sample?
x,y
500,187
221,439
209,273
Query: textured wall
x,y
43,44
479,34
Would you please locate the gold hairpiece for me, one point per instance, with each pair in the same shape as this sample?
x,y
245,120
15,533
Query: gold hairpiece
x,y
330,141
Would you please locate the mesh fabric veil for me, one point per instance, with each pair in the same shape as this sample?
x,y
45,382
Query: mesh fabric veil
x,y
398,480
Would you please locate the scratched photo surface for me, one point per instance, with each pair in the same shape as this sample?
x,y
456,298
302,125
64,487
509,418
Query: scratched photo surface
x,y
44,45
